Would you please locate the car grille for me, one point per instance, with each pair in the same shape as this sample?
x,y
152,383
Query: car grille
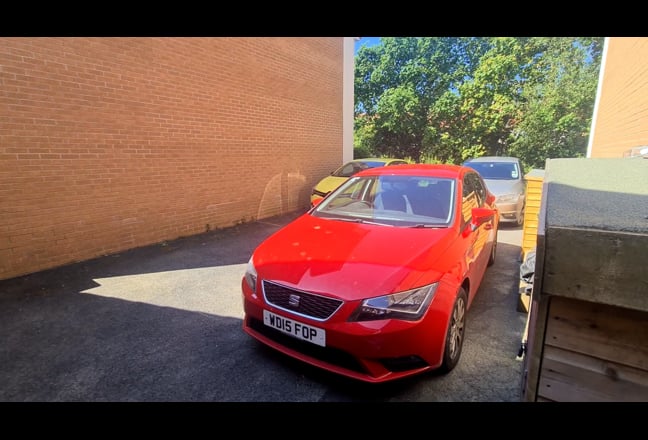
x,y
301,303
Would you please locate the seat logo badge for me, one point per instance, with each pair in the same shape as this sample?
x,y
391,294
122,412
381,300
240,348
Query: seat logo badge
x,y
293,300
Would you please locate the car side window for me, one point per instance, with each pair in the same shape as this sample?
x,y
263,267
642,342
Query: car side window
x,y
479,188
348,170
474,195
515,173
352,192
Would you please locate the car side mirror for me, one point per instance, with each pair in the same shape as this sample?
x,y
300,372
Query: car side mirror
x,y
316,202
481,216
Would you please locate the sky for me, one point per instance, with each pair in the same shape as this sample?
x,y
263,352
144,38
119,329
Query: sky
x,y
366,41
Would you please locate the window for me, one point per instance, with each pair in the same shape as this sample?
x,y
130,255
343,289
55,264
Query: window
x,y
497,170
474,195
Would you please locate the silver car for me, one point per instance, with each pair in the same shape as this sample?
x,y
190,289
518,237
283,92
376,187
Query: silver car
x,y
503,177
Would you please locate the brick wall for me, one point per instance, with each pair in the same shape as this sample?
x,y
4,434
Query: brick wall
x,y
108,144
621,121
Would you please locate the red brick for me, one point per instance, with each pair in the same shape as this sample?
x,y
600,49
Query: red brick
x,y
114,143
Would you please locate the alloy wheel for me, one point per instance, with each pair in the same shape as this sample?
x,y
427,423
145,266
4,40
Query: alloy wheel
x,y
457,328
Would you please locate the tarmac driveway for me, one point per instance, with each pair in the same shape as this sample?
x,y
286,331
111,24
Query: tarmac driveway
x,y
163,323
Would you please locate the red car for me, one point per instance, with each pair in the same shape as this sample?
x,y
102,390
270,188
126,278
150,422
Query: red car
x,y
374,282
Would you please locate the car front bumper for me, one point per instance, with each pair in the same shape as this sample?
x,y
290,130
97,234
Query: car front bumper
x,y
370,351
508,210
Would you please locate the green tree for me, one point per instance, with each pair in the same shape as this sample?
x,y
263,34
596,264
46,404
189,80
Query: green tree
x,y
558,100
397,82
447,99
476,119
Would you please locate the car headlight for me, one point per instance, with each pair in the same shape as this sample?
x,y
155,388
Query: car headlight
x,y
409,305
251,276
507,198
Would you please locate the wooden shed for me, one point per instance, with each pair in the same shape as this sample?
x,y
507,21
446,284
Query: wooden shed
x,y
533,197
588,323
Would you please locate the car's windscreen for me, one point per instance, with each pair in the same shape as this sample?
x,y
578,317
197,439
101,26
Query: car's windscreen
x,y
496,170
352,168
393,200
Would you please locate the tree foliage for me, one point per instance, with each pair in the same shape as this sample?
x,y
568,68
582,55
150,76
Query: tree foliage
x,y
447,99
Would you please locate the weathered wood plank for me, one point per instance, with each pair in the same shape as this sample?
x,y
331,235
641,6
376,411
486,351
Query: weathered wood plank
x,y
614,371
538,311
589,255
571,377
532,224
610,333
535,346
597,266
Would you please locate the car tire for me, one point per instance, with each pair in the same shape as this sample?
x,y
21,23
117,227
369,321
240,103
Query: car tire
x,y
455,333
519,219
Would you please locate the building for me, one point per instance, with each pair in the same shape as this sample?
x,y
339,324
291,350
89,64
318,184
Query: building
x,y
113,143
620,120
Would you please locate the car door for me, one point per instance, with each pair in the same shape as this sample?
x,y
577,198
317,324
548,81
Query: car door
x,y
474,196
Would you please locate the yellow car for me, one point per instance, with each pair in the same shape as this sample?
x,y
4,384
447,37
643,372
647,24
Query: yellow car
x,y
339,176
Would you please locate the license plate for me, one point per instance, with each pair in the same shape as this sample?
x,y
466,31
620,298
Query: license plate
x,y
295,329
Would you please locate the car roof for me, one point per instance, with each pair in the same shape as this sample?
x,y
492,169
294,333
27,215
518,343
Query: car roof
x,y
376,159
493,159
435,170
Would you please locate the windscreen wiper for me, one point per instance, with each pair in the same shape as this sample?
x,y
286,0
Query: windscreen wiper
x,y
426,225
369,222
358,220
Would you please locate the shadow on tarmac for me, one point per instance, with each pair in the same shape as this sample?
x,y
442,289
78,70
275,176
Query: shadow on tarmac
x,y
163,324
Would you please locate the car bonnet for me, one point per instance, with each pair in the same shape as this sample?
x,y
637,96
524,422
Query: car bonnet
x,y
351,260
499,187
329,183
